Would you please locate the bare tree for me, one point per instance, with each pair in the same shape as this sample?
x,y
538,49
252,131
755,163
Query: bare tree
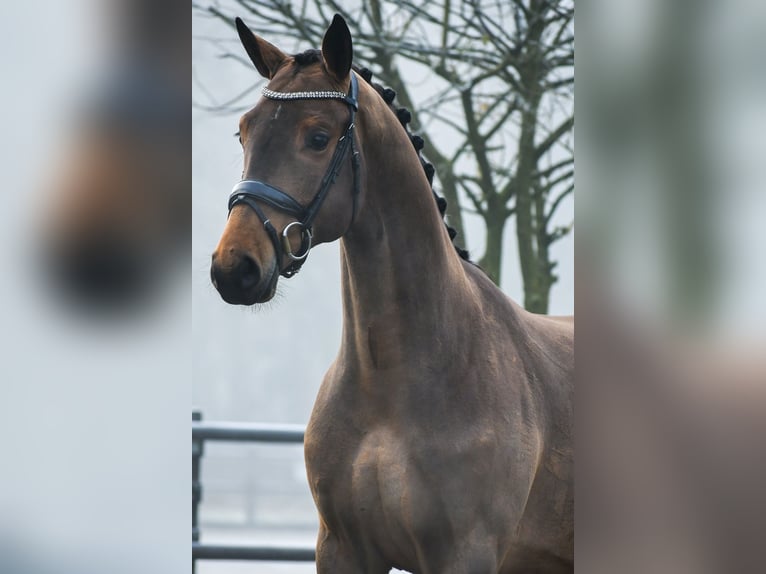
x,y
498,122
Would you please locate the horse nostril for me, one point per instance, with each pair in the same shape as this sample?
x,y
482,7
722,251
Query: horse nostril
x,y
249,274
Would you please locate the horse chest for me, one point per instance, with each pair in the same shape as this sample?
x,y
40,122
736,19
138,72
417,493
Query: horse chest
x,y
354,478
367,488
388,494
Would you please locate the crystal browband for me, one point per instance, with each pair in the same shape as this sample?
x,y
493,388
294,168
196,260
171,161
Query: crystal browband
x,y
320,95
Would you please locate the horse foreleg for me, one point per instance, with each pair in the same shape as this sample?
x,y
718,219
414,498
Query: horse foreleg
x,y
337,556
479,564
457,557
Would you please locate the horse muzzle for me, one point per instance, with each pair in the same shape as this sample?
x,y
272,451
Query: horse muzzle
x,y
240,280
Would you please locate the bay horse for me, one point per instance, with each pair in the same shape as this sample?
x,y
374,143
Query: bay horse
x,y
441,437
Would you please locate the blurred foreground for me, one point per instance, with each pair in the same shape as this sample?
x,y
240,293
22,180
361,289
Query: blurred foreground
x,y
671,396
118,205
94,305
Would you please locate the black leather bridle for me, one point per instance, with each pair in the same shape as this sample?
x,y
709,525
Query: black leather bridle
x,y
252,192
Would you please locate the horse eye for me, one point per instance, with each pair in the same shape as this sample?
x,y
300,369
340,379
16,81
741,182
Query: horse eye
x,y
318,141
239,137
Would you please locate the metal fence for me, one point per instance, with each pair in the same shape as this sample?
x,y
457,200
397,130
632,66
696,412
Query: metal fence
x,y
238,432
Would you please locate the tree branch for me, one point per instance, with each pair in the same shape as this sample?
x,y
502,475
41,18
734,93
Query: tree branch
x,y
557,202
554,136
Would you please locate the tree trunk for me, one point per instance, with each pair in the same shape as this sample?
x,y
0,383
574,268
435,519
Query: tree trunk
x,y
530,226
545,276
535,294
492,260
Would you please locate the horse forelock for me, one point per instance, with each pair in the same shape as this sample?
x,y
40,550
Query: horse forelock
x,y
307,58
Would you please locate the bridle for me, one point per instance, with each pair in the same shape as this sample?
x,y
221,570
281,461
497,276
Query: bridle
x,y
251,192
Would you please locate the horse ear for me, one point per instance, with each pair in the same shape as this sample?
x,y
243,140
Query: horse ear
x,y
337,50
264,55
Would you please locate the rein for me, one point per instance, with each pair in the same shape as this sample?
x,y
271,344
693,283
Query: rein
x,y
251,192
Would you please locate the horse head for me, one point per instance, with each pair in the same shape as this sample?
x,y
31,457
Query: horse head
x,y
301,182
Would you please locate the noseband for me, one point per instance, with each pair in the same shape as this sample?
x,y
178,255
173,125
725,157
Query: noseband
x,y
251,192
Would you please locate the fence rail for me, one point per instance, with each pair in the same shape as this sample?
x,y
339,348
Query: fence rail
x,y
247,432
203,431
238,552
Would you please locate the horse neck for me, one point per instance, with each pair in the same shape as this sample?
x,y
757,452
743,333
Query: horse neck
x,y
401,275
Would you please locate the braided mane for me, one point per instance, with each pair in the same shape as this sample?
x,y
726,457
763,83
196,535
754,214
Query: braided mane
x,y
405,117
